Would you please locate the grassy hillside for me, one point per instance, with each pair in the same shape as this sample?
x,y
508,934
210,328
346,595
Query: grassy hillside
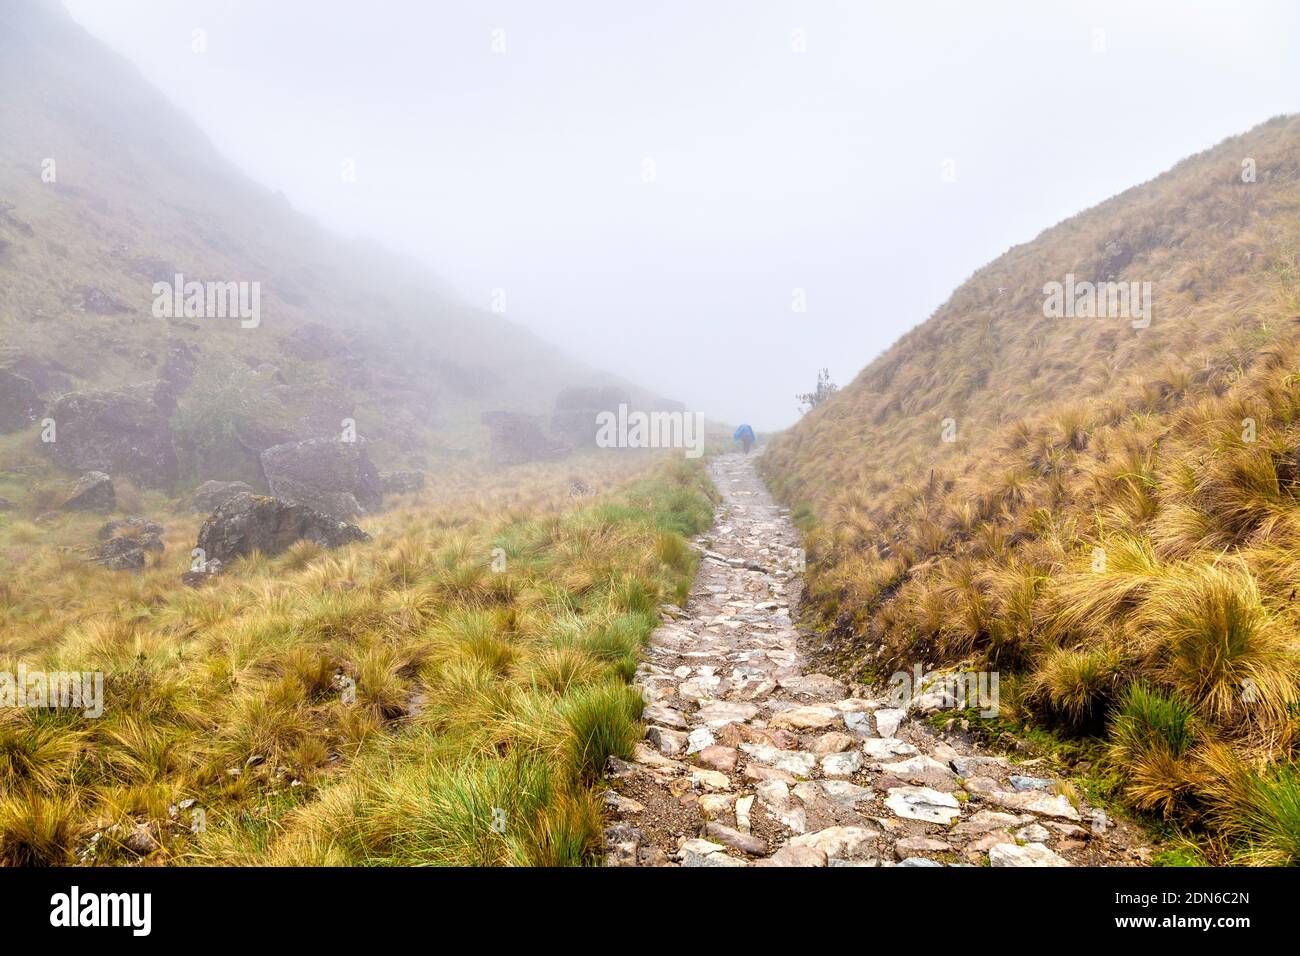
x,y
443,694
1111,513
107,188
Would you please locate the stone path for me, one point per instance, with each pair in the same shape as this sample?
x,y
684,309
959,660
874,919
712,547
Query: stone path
x,y
750,761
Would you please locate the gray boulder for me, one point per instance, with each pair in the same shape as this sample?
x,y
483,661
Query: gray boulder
x,y
203,576
48,376
94,491
176,376
122,432
248,523
122,554
327,475
211,495
149,533
20,402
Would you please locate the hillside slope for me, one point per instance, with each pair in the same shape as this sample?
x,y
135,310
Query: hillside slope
x,y
1111,512
106,188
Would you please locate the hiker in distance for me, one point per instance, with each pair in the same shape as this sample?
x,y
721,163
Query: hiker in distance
x,y
745,435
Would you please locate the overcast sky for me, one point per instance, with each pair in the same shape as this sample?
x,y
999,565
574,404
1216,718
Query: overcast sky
x,y
650,183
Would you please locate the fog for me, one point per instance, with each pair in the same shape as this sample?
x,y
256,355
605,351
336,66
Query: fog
x,y
657,188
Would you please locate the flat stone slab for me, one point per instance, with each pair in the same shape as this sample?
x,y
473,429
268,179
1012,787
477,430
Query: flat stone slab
x,y
923,771
808,718
665,715
1032,854
889,720
1042,804
717,713
842,841
797,762
883,748
923,803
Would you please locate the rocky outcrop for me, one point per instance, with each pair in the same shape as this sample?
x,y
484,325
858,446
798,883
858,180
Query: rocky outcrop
x,y
211,495
126,542
249,523
121,432
401,482
94,491
518,438
176,376
148,533
47,376
20,401
331,476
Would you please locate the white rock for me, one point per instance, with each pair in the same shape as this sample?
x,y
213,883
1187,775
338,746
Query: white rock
x,y
808,792
1034,854
921,770
888,721
1034,802
797,762
743,807
698,853
698,739
668,742
773,791
976,766
711,780
776,798
841,765
813,685
986,820
700,846
719,712
807,718
922,803
837,841
663,714
699,688
1034,833
715,805
860,722
844,794
797,856
882,748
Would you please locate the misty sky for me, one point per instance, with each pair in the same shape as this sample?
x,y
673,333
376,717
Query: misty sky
x,y
772,170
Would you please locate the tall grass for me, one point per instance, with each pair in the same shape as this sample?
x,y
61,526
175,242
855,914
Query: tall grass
x,y
446,694
1118,519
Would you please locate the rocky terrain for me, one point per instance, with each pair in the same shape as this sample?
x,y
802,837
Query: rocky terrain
x,y
750,760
